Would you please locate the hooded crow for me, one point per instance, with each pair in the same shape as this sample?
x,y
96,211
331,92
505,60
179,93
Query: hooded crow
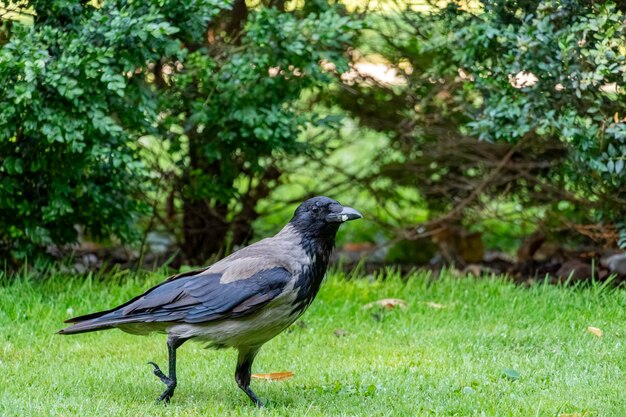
x,y
241,301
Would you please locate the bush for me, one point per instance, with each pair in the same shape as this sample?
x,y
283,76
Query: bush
x,y
74,98
109,110
233,111
514,108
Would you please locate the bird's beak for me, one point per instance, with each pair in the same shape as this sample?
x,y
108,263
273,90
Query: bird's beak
x,y
346,214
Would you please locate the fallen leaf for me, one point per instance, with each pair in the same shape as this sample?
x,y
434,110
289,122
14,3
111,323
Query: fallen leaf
x,y
585,414
388,303
595,331
432,304
512,374
274,376
340,332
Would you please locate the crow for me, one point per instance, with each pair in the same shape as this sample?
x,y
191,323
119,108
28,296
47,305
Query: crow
x,y
241,301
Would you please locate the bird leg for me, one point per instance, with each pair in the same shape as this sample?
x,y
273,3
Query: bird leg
x,y
243,372
169,381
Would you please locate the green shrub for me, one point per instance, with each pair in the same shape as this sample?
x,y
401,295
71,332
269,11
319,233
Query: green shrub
x,y
91,90
233,112
74,98
514,101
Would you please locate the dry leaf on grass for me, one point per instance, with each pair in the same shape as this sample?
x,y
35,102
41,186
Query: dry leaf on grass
x,y
388,303
432,304
340,332
595,331
274,376
585,414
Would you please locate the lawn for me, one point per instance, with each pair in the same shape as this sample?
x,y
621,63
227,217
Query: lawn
x,y
462,347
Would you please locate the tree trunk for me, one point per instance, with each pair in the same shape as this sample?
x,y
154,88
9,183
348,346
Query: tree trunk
x,y
205,230
242,224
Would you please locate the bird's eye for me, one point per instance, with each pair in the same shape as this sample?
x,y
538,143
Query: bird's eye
x,y
315,209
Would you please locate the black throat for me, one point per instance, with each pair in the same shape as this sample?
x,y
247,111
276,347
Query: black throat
x,y
318,245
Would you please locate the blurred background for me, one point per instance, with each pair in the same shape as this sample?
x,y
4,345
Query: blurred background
x,y
488,136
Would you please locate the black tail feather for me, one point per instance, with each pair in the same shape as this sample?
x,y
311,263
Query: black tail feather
x,y
87,326
87,317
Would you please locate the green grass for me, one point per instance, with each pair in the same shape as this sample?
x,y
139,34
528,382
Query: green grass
x,y
422,361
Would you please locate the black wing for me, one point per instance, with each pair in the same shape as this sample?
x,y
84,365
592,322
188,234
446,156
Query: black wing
x,y
191,299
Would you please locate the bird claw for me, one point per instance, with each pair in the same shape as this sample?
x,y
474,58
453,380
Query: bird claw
x,y
167,394
164,398
157,371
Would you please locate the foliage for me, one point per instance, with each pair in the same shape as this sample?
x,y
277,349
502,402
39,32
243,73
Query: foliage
x,y
578,54
511,112
233,109
212,82
74,98
514,101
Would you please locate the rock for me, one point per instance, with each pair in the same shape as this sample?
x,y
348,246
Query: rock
x,y
90,260
159,243
575,269
498,262
86,262
497,256
477,270
615,263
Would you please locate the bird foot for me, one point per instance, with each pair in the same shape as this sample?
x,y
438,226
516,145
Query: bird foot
x,y
171,384
252,396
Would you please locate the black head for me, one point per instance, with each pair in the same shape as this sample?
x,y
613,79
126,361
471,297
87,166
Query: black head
x,y
322,216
